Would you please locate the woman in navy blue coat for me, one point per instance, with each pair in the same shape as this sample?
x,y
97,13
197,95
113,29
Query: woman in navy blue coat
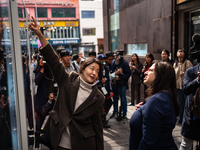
x,y
152,124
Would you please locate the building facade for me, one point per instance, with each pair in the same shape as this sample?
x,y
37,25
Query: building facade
x,y
58,21
91,25
187,23
139,26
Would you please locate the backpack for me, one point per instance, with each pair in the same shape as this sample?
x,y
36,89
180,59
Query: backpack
x,y
196,104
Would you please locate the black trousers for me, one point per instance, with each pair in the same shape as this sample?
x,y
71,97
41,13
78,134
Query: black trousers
x,y
135,93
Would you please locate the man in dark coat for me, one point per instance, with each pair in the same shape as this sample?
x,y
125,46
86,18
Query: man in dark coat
x,y
190,125
121,72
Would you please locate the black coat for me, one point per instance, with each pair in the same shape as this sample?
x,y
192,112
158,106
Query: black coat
x,y
85,123
190,126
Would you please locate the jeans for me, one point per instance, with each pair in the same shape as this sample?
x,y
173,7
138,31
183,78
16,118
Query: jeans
x,y
116,96
181,101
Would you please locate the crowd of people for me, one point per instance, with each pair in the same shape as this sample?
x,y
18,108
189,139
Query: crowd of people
x,y
77,94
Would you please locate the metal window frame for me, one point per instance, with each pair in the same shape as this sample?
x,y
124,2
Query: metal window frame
x,y
18,75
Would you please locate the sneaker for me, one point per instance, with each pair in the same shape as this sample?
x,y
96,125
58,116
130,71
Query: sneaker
x,y
130,104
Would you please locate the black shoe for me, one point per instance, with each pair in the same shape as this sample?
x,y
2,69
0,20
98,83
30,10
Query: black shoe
x,y
124,117
106,126
130,104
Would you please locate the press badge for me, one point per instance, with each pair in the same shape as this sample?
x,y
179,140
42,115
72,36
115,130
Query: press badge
x,y
103,89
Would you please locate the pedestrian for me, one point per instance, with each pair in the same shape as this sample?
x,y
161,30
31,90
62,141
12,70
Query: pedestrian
x,y
68,64
152,124
75,121
121,72
180,66
190,125
147,64
136,70
165,56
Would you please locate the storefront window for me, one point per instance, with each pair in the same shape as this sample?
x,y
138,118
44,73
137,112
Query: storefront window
x,y
41,12
139,49
4,12
70,12
114,24
20,14
88,31
57,12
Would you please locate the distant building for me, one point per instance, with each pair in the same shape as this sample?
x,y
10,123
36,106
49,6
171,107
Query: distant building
x,y
91,26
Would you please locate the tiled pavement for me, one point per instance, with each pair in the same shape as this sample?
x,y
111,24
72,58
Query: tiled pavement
x,y
117,137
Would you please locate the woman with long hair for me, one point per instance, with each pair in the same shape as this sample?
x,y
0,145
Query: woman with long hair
x,y
180,66
76,116
165,56
136,69
147,64
152,124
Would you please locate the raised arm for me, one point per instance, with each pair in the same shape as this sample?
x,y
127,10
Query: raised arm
x,y
50,56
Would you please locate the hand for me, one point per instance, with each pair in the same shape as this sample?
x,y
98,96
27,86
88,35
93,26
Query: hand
x,y
138,105
51,97
198,76
143,70
182,74
103,80
33,26
119,71
117,78
133,67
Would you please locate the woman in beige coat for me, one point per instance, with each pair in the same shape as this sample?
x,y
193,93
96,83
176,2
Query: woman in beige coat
x,y
180,66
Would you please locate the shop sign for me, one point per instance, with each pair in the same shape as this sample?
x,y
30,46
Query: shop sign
x,y
64,42
8,43
180,1
42,2
55,24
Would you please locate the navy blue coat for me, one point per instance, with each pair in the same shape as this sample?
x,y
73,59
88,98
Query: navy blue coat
x,y
190,125
151,125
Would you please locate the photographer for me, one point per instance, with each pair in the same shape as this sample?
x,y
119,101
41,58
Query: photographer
x,y
44,80
121,72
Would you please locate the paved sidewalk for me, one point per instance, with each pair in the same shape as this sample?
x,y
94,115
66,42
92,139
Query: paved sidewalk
x,y
117,137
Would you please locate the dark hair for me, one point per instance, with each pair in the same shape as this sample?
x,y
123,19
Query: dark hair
x,y
165,80
64,53
166,51
150,56
92,53
185,57
75,56
138,61
88,62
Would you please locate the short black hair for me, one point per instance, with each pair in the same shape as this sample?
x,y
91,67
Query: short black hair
x,y
92,53
75,57
64,53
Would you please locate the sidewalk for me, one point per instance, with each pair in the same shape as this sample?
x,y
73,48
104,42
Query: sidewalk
x,y
117,137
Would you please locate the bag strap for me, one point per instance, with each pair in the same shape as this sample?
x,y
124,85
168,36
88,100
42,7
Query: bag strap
x,y
74,66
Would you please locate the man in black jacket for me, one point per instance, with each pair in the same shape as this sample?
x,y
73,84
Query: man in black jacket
x,y
121,73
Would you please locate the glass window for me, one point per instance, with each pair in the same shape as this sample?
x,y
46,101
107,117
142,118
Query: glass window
x,y
139,49
68,32
88,14
70,12
57,12
65,30
41,12
20,14
89,31
4,11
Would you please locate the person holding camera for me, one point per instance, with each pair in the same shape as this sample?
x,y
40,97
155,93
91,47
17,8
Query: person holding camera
x,y
76,116
44,80
121,73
